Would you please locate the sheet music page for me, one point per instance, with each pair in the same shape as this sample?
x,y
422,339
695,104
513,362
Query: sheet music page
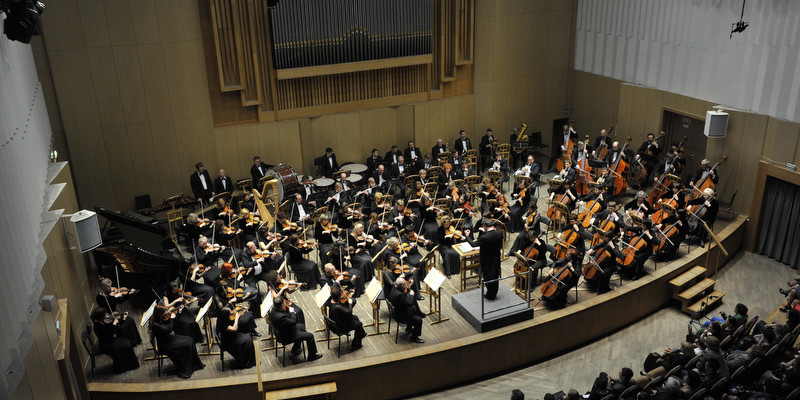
x,y
203,311
465,247
373,290
148,314
266,305
434,279
323,295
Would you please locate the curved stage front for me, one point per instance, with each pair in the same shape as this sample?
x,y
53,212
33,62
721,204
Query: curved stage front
x,y
437,366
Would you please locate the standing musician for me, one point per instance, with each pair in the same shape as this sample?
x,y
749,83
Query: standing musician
x,y
185,323
602,141
462,144
486,149
412,153
490,241
406,309
566,134
680,162
180,349
223,183
108,299
447,236
202,185
341,312
257,171
292,330
438,148
328,164
373,161
349,279
112,340
703,171
307,190
301,210
705,209
579,152
305,270
649,151
614,153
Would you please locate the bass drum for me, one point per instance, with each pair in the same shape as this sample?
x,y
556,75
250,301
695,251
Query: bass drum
x,y
287,178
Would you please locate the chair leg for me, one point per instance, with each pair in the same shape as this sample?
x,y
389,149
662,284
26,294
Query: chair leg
x,y
284,355
222,359
92,357
397,332
340,347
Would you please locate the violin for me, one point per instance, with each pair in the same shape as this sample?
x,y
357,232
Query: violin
x,y
170,312
123,291
403,269
417,238
238,310
455,233
408,212
229,230
330,228
186,295
234,293
287,225
290,285
213,247
203,222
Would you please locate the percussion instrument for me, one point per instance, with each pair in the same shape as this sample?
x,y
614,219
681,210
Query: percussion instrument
x,y
355,179
287,177
323,184
360,169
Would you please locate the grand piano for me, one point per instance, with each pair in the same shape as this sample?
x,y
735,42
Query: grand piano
x,y
138,250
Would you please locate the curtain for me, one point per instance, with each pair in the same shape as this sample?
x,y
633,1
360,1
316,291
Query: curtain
x,y
779,230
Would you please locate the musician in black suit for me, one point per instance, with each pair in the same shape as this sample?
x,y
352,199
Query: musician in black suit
x,y
223,183
392,155
566,134
307,189
301,210
614,153
381,175
401,169
341,312
462,144
406,308
426,163
292,331
202,186
412,154
490,241
531,169
328,164
257,171
603,138
704,170
486,149
438,148
373,161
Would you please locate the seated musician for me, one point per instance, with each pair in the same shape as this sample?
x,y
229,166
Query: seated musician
x,y
360,252
258,261
669,250
438,148
525,242
415,198
463,210
456,160
395,257
704,171
185,323
280,288
446,238
375,227
179,348
601,141
445,177
223,234
292,330
227,295
667,166
301,210
606,264
393,156
204,291
286,226
531,169
705,208
579,153
606,181
632,233
614,153
570,262
112,340
501,211
248,224
597,193
373,161
109,299
338,198
564,188
530,222
488,191
501,164
381,176
234,340
406,309
324,233
639,205
349,278
464,171
675,193
340,311
425,163
305,270
342,178
400,169
402,216
366,195
307,189
428,217
223,211
193,228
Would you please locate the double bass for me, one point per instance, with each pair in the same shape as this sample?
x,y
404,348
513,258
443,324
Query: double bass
x,y
584,171
660,186
567,151
620,170
602,150
705,182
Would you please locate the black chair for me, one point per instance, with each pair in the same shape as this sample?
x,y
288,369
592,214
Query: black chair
x,y
700,394
282,342
222,350
332,326
157,355
718,387
629,391
611,396
794,395
393,316
654,383
91,347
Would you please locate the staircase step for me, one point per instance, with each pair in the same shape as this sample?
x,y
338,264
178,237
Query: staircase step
x,y
687,277
697,290
711,300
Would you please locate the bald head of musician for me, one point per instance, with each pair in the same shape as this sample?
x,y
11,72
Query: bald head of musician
x,y
439,142
615,145
381,169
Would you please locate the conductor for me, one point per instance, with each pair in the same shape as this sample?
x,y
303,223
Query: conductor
x,y
490,241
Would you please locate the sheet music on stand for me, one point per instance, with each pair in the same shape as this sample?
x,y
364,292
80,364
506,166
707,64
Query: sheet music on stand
x,y
465,247
434,279
373,290
323,295
266,305
148,314
203,311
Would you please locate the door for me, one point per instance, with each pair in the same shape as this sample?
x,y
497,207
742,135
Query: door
x,y
676,127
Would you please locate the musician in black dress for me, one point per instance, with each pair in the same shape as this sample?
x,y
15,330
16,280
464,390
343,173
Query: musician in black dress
x,y
446,238
397,255
669,251
185,321
406,309
324,233
360,252
635,270
202,291
490,241
112,342
239,344
180,349
639,205
108,299
280,288
305,270
341,312
227,296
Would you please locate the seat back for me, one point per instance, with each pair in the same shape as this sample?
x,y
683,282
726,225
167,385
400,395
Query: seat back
x,y
86,340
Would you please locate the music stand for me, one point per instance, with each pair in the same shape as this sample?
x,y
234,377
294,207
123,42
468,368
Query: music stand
x,y
434,280
203,314
373,291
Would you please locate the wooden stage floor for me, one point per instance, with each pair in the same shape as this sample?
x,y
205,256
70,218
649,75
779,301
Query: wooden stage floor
x,y
375,348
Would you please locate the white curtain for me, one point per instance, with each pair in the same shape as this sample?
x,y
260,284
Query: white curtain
x,y
25,139
684,47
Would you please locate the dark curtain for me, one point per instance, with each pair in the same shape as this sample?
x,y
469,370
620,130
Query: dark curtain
x,y
779,230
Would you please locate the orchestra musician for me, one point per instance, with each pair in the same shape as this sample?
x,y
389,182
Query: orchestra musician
x,y
108,299
307,189
392,156
486,149
381,176
349,279
342,178
670,247
324,234
501,211
227,289
185,323
373,161
406,309
681,161
501,164
649,151
456,159
566,134
447,236
438,148
237,343
292,330
402,216
257,171
341,312
614,153
706,208
639,205
400,169
202,185
412,153
248,224
571,262
360,256
490,241
606,264
280,288
203,291
531,169
328,164
600,141
301,210
403,253
223,183
112,340
462,144
305,270
180,349
207,255
703,171
675,193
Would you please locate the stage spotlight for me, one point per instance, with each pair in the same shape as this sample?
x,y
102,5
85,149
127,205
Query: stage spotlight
x,y
23,20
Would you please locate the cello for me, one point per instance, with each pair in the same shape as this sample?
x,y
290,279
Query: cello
x,y
558,279
620,170
592,208
668,235
566,242
584,171
631,249
592,268
705,182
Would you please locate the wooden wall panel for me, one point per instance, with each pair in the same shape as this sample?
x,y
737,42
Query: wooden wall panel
x,y
785,140
154,79
104,88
